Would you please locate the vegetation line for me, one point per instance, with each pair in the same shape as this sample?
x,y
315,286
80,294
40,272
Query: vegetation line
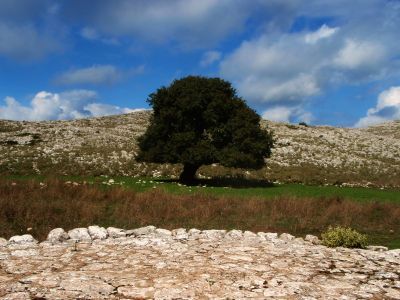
x,y
52,204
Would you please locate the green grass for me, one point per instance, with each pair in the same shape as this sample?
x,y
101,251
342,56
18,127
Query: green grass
x,y
376,204
214,188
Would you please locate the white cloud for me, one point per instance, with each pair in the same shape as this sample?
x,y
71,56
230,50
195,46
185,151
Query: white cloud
x,y
386,109
92,35
187,24
209,58
59,106
97,74
287,114
357,54
323,32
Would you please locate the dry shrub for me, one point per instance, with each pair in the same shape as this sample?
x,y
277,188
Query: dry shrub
x,y
42,208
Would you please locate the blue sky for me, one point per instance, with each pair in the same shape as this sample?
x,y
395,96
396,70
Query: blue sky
x,y
323,62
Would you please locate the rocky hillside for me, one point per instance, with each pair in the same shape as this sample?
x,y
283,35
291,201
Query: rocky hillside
x,y
154,263
107,146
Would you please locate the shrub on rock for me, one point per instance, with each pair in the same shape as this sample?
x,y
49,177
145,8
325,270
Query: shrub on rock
x,y
343,237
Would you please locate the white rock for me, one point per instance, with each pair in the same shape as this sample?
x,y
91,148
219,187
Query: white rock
x,y
312,239
57,235
234,234
3,242
180,234
116,232
163,232
377,248
270,235
97,232
249,234
287,237
22,239
194,233
143,230
213,233
79,234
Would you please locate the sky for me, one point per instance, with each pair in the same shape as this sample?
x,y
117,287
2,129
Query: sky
x,y
323,62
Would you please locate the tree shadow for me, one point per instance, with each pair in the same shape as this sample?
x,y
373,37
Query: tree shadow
x,y
232,182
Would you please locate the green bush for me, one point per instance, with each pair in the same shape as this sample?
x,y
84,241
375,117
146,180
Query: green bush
x,y
343,237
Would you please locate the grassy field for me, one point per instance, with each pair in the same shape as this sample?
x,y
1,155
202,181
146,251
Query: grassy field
x,y
127,202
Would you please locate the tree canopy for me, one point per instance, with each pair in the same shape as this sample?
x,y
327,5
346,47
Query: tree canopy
x,y
199,121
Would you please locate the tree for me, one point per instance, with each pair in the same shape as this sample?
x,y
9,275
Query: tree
x,y
199,121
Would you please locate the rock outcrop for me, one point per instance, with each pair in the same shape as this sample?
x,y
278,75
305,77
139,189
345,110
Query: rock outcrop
x,y
191,264
108,146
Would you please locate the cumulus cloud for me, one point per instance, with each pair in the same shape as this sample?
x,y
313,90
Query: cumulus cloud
x,y
356,54
209,58
386,109
59,106
287,114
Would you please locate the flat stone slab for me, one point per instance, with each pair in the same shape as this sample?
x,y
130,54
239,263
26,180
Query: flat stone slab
x,y
164,266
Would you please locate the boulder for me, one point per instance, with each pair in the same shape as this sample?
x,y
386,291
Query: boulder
x,y
213,233
234,234
57,235
22,239
287,237
114,232
377,248
163,232
180,234
312,239
97,232
3,242
143,230
79,234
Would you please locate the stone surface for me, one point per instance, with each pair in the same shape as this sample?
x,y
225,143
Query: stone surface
x,y
116,232
97,232
79,234
377,248
211,265
312,239
22,239
57,235
3,242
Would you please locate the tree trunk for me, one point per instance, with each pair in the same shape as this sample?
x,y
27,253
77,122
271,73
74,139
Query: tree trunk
x,y
188,174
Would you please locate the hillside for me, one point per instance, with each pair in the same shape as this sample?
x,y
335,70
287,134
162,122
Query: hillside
x,y
107,146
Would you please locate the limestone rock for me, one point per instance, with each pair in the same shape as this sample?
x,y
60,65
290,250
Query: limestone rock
x,y
213,233
287,237
57,235
234,234
210,264
312,239
116,232
3,242
163,232
377,248
79,234
97,232
143,230
22,239
180,234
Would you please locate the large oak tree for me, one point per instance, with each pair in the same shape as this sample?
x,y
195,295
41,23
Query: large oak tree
x,y
199,121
